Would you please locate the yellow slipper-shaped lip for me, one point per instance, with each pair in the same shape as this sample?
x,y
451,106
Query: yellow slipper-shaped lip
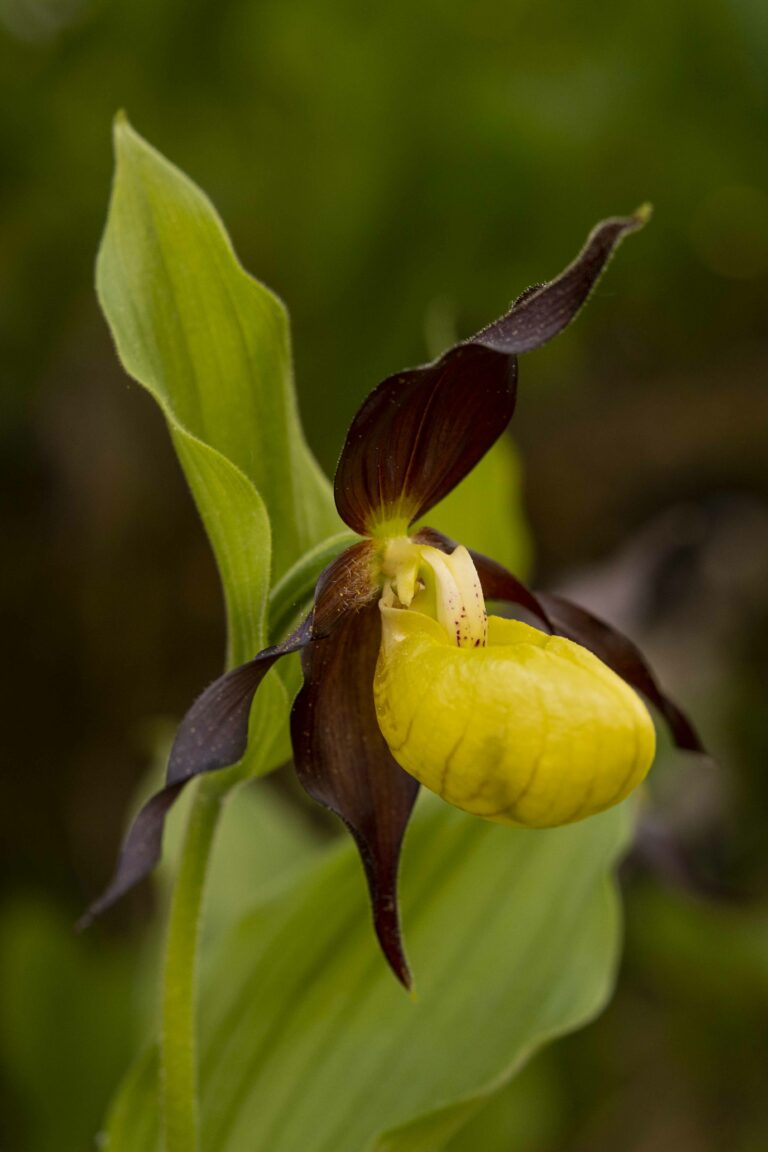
x,y
531,729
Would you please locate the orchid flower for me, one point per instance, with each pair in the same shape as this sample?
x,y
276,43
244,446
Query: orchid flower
x,y
407,680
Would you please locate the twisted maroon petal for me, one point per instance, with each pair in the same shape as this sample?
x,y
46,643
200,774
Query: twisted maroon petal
x,y
214,732
212,735
422,430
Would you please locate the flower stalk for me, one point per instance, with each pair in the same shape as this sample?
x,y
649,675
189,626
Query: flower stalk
x,y
178,1043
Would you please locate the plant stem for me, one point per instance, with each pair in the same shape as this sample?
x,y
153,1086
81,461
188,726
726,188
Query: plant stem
x,y
179,1095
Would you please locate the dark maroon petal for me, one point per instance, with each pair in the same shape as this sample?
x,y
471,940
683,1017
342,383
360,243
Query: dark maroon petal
x,y
497,583
214,732
343,762
421,431
624,657
212,735
139,854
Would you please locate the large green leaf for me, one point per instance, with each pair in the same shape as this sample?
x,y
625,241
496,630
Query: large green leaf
x,y
212,346
309,1045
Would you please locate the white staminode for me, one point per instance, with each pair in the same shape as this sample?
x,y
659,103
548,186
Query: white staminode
x,y
460,606
445,587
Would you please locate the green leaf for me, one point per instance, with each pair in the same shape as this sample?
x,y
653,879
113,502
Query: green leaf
x,y
262,839
308,1042
525,1115
212,346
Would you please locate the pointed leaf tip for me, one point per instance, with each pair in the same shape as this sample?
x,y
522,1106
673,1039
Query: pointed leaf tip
x,y
167,278
124,133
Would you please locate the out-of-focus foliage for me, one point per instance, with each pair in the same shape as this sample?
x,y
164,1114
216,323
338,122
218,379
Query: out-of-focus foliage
x,y
394,173
309,1042
75,1010
442,158
486,512
694,996
68,1024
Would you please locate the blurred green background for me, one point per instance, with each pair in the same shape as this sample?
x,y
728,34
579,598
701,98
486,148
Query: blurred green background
x,y
397,175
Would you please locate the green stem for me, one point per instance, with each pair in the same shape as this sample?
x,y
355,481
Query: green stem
x,y
178,1046
179,1097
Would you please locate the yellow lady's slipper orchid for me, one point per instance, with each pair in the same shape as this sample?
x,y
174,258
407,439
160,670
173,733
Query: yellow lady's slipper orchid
x,y
405,678
523,728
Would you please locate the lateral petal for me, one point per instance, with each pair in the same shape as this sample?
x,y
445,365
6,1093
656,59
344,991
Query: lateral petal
x,y
212,735
214,732
343,762
422,430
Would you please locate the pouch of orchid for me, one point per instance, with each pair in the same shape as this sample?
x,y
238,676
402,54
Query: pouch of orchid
x,y
407,679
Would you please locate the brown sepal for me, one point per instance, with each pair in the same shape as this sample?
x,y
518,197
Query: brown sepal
x,y
420,432
348,582
343,762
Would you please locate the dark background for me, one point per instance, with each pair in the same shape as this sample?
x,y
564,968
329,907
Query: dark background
x,y
397,174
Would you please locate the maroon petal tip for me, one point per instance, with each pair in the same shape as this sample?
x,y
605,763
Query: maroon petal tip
x,y
386,922
139,854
